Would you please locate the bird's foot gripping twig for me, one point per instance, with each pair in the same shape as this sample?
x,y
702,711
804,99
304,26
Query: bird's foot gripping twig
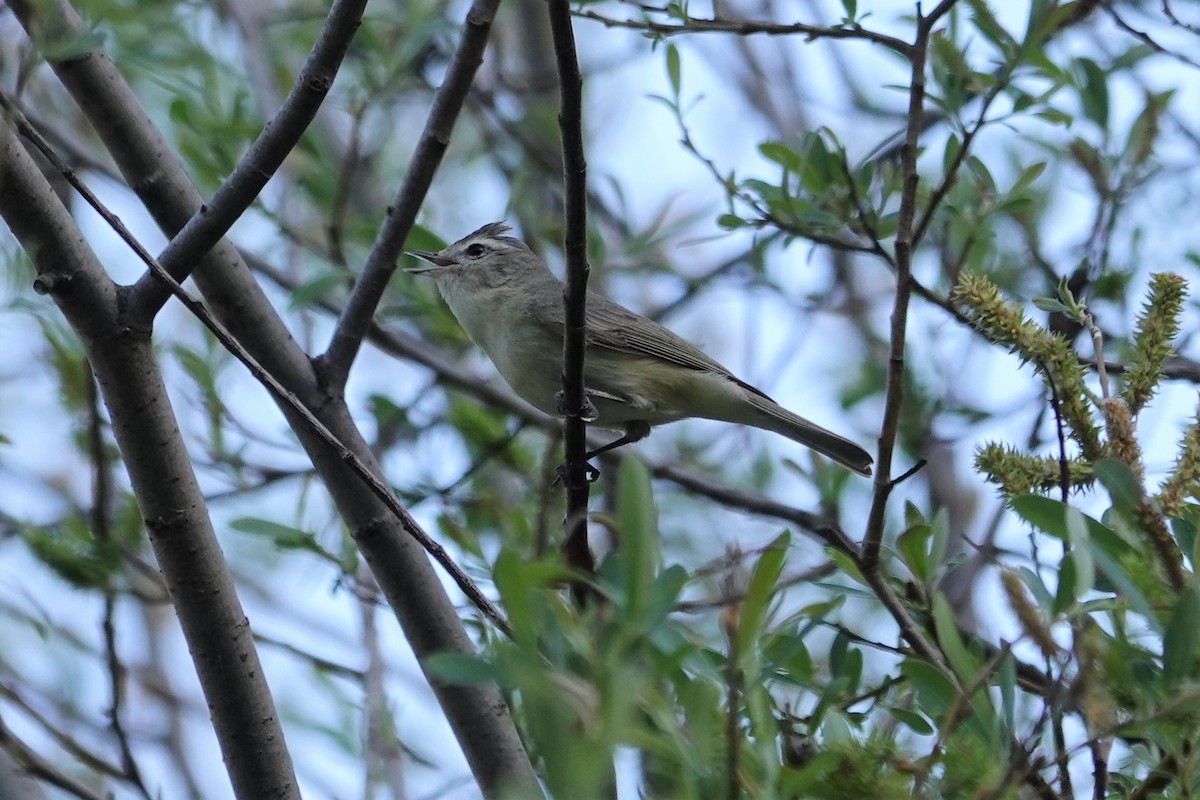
x,y
591,474
588,413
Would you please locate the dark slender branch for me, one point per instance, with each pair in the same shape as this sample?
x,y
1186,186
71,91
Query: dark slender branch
x,y
1145,38
812,524
101,530
275,387
41,768
744,28
905,231
1064,470
894,391
733,692
335,363
278,138
570,121
1001,79
67,740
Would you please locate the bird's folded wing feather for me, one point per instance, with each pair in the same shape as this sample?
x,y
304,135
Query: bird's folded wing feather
x,y
616,328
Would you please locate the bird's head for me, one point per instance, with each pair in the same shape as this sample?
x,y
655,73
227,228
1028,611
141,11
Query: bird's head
x,y
485,258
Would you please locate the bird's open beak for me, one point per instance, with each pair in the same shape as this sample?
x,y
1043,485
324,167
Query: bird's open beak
x,y
437,262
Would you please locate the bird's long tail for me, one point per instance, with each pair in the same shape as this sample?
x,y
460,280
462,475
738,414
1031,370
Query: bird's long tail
x,y
774,417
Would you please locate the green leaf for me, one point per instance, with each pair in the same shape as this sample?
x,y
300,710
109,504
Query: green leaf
x,y
1093,91
912,515
912,720
1123,486
761,591
1006,681
1049,515
314,290
912,546
461,669
1051,305
1180,638
1139,144
638,520
846,565
283,536
964,664
1081,552
987,24
673,69
782,155
664,593
1028,176
935,692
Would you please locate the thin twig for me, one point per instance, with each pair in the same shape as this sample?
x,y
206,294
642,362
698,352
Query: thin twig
x,y
287,398
1064,468
356,317
41,768
905,232
746,28
277,140
1098,350
733,739
101,530
570,121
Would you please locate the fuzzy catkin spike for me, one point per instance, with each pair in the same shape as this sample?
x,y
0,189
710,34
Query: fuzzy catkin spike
x,y
1156,328
1185,477
1027,614
1004,323
1118,423
1018,473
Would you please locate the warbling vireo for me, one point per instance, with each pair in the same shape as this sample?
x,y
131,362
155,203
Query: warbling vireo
x,y
636,372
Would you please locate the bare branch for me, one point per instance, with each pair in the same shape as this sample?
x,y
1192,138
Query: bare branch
x,y
160,470
285,397
742,28
239,190
570,121
352,326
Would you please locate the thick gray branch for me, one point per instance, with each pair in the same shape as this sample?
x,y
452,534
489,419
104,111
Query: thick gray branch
x,y
160,469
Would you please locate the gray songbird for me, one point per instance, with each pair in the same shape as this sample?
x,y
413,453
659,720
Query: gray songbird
x,y
636,372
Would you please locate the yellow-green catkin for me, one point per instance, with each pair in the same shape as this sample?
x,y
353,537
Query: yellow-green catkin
x,y
1018,473
1185,477
1156,327
1122,444
1004,323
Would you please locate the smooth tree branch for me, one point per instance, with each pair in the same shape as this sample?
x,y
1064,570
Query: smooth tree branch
x,y
160,470
210,223
281,393
334,365
894,391
570,122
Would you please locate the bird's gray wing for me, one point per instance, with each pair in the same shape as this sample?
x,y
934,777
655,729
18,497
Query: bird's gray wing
x,y
616,328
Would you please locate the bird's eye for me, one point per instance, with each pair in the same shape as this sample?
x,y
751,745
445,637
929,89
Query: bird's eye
x,y
475,250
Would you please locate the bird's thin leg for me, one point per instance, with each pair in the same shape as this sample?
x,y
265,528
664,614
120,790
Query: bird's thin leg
x,y
634,432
